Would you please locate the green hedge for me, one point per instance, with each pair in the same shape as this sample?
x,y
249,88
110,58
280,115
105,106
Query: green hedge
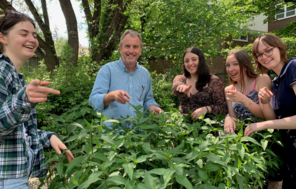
x,y
159,151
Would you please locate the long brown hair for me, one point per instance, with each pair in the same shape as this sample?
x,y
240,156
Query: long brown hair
x,y
10,19
273,41
203,71
244,62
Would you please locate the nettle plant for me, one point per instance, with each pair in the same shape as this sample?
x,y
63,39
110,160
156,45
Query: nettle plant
x,y
162,151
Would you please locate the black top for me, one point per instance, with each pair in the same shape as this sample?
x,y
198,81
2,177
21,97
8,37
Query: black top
x,y
284,99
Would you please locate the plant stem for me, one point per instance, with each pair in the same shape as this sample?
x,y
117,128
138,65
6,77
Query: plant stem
x,y
106,184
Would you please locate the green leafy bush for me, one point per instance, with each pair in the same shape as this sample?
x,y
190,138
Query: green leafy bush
x,y
161,151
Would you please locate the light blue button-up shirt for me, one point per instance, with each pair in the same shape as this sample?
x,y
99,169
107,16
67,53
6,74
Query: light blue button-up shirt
x,y
114,76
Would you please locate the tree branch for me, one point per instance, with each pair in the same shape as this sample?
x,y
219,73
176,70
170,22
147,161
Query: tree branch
x,y
45,13
37,17
4,5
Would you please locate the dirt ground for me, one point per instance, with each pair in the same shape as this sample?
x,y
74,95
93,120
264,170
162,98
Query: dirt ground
x,y
34,183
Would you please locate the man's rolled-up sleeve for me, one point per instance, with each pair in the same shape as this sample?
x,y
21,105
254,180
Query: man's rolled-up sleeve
x,y
100,89
149,96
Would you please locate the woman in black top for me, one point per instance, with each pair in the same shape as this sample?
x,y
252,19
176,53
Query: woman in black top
x,y
279,106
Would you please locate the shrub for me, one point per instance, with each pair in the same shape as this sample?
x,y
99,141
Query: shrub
x,y
162,151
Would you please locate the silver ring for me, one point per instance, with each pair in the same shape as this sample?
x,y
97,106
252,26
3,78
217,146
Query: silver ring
x,y
230,126
260,93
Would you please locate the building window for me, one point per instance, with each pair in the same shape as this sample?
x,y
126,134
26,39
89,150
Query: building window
x,y
243,38
285,12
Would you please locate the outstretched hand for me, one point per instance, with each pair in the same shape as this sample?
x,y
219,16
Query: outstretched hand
x,y
184,89
59,146
37,92
253,128
234,96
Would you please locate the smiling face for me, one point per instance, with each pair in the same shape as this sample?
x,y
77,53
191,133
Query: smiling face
x,y
273,60
233,68
20,42
130,50
191,61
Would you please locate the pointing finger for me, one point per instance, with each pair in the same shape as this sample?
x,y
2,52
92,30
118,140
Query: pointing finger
x,y
189,87
50,90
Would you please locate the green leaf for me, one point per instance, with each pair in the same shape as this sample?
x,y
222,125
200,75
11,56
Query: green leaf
x,y
94,177
203,145
111,121
158,171
226,157
129,169
60,167
149,181
74,181
200,163
167,176
209,186
72,127
168,129
142,158
203,174
264,143
100,156
106,164
76,161
271,152
221,186
146,147
240,180
116,180
176,151
184,181
211,167
55,158
88,147
249,139
215,159
241,150
108,139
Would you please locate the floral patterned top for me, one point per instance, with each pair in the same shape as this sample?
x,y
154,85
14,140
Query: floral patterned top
x,y
212,95
240,110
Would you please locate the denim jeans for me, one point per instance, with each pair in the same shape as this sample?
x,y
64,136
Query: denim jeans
x,y
19,183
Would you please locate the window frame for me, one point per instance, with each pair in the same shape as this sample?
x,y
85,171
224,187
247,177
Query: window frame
x,y
285,12
242,40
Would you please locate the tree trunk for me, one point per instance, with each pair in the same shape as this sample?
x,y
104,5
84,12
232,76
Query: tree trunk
x,y
71,22
50,58
105,40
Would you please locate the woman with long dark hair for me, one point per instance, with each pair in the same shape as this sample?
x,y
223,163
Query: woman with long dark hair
x,y
199,91
21,142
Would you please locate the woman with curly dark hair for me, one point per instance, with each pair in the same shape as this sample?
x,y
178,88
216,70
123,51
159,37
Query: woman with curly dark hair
x,y
199,91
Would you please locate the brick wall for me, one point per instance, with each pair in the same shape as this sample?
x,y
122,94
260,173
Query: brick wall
x,y
274,25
